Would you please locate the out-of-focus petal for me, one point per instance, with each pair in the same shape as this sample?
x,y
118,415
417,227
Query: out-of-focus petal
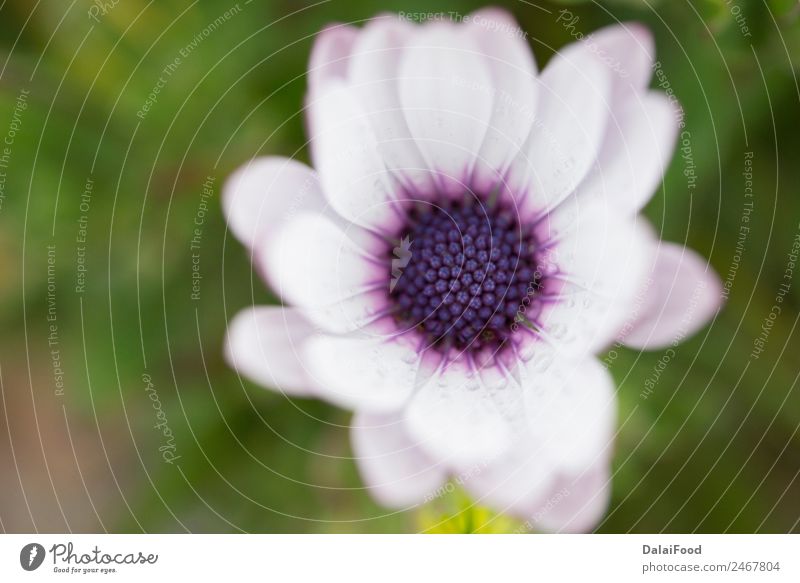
x,y
572,111
353,175
364,374
574,503
265,344
264,192
595,263
314,261
571,418
627,50
394,468
513,73
682,293
330,55
637,147
456,418
446,95
374,79
570,412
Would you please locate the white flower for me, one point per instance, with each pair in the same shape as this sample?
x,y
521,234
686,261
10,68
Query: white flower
x,y
516,194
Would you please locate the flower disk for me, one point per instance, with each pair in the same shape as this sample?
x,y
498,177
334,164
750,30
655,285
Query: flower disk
x,y
462,275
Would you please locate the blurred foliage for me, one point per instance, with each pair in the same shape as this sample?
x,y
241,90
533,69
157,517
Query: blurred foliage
x,y
714,448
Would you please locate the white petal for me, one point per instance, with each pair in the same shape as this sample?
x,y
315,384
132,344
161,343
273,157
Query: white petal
x,y
374,81
682,293
313,261
571,116
575,503
330,54
590,243
571,413
512,484
264,344
394,468
264,192
375,375
330,273
637,147
543,498
363,312
595,264
458,419
626,50
570,429
513,73
352,173
446,92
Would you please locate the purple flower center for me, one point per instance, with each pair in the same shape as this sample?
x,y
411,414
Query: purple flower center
x,y
463,274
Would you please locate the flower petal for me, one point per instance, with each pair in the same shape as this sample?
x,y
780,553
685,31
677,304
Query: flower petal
x,y
571,413
446,95
513,73
394,468
458,419
571,422
571,115
265,191
264,344
365,374
682,293
330,273
374,82
594,265
314,261
575,503
637,147
627,50
330,54
513,483
544,499
344,148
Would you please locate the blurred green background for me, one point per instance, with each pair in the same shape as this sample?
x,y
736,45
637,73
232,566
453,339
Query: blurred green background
x,y
713,448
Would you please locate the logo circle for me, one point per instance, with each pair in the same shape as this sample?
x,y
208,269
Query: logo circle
x,y
31,556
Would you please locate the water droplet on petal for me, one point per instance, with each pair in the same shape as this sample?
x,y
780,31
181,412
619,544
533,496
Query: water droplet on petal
x,y
498,384
472,384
